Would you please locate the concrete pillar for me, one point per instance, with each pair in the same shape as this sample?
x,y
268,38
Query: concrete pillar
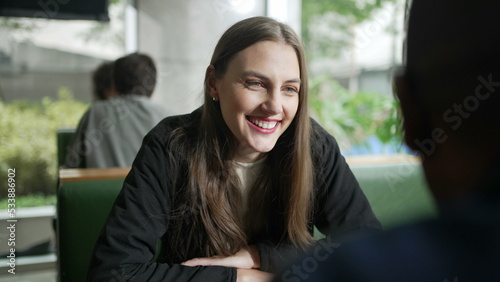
x,y
287,11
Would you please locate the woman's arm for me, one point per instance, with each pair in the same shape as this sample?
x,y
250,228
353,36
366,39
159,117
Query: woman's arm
x,y
341,207
138,219
246,258
253,275
247,261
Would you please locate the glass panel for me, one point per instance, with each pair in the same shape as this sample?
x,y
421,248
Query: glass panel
x,y
46,68
353,48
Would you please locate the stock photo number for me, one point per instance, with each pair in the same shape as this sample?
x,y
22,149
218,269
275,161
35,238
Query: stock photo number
x,y
11,221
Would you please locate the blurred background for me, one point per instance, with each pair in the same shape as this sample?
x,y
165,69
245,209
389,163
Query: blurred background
x,y
47,57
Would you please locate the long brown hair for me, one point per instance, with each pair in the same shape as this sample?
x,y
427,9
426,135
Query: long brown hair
x,y
206,220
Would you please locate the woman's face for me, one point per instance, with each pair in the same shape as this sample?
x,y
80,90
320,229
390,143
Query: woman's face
x,y
259,96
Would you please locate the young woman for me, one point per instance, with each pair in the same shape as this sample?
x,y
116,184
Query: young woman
x,y
229,186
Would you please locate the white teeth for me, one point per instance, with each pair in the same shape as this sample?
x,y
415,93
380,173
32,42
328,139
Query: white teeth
x,y
264,124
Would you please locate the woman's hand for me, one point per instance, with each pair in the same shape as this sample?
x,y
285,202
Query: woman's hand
x,y
253,275
246,258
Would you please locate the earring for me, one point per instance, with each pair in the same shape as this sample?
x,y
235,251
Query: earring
x,y
215,99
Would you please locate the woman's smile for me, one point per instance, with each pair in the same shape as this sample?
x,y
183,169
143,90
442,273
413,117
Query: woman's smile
x,y
263,125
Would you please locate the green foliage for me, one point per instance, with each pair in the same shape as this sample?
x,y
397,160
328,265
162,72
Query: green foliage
x,y
327,26
28,141
328,31
357,10
34,200
352,117
17,24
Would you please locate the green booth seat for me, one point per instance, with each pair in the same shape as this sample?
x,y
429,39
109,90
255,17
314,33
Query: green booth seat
x,y
84,199
64,137
397,191
395,188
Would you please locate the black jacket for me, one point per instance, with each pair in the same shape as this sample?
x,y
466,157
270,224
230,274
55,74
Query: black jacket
x,y
128,241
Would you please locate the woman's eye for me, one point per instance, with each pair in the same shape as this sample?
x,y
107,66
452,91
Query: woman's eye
x,y
291,90
253,84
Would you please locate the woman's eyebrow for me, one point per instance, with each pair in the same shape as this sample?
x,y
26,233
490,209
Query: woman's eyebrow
x,y
295,80
263,77
256,74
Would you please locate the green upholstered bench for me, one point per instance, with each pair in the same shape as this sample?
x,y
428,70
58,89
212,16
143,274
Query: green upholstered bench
x,y
85,197
64,137
394,186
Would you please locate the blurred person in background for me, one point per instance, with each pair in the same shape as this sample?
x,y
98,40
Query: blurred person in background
x,y
102,81
110,133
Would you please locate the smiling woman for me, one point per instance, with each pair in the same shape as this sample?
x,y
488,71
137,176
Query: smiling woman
x,y
230,188
258,96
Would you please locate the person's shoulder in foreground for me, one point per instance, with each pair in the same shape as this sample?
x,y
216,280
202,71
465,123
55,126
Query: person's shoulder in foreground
x,y
462,245
450,117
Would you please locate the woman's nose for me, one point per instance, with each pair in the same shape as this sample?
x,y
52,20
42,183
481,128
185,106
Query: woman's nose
x,y
273,104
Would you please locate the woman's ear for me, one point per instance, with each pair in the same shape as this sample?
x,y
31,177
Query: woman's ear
x,y
211,82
